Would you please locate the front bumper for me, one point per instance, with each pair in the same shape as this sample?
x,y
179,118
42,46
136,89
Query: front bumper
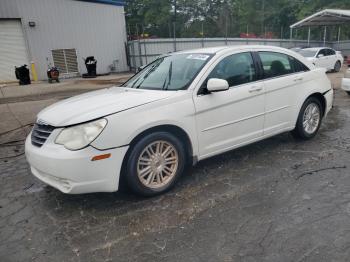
x,y
73,172
345,85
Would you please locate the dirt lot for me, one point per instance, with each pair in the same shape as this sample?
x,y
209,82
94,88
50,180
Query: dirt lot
x,y
276,200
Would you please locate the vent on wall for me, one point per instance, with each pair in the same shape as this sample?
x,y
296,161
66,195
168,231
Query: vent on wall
x,y
65,60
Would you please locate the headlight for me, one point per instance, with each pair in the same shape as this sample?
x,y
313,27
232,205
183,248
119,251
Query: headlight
x,y
80,136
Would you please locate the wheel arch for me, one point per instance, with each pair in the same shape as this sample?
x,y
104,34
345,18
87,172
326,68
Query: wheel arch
x,y
322,100
172,129
317,95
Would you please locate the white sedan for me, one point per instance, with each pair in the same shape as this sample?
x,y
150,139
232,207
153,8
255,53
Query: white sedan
x,y
346,82
324,57
180,109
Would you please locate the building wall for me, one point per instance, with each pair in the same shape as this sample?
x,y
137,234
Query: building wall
x,y
92,28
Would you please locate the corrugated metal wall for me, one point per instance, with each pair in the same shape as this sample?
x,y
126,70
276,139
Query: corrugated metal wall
x,y
144,51
90,28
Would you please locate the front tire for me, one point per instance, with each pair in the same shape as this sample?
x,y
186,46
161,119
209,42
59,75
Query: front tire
x,y
348,92
155,164
309,119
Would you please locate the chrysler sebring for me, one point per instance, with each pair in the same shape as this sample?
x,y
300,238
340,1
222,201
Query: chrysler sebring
x,y
181,108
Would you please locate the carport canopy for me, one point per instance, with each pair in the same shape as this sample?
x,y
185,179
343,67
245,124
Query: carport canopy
x,y
326,17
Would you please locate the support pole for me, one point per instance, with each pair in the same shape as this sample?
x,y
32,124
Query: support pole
x,y
281,32
339,34
226,31
291,34
308,37
174,25
247,36
144,43
202,35
324,36
139,45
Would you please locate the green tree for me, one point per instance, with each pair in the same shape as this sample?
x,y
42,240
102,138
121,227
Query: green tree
x,y
218,18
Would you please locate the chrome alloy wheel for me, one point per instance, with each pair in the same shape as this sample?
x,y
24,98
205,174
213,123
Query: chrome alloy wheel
x,y
311,118
157,164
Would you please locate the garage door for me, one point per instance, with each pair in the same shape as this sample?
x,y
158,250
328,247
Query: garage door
x,y
12,49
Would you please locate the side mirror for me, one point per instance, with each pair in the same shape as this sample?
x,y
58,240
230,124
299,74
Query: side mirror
x,y
320,55
217,85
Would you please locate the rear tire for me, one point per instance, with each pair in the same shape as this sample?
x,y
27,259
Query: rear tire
x,y
348,92
155,164
337,66
309,119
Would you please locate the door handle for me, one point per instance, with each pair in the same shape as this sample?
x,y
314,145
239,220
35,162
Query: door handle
x,y
255,89
298,79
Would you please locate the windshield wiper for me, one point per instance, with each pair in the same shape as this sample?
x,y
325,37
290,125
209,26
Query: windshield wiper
x,y
170,72
146,75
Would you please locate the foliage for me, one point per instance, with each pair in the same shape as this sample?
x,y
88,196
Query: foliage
x,y
220,18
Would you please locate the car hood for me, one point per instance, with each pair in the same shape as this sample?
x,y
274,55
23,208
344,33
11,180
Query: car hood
x,y
97,104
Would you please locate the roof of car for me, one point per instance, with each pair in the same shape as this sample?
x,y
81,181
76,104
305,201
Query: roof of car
x,y
315,48
214,50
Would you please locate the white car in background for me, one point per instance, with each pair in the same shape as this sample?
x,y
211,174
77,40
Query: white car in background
x,y
346,82
182,108
324,57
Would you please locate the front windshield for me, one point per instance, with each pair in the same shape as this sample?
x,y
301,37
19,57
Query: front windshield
x,y
307,53
173,72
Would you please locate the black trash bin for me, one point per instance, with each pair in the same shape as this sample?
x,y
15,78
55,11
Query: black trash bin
x,y
53,74
22,74
90,63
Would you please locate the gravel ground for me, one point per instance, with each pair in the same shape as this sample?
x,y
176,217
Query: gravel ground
x,y
276,200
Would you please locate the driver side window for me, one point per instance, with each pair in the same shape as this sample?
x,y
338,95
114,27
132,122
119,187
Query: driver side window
x,y
236,69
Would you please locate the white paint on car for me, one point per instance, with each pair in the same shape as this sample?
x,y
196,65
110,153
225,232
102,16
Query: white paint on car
x,y
264,100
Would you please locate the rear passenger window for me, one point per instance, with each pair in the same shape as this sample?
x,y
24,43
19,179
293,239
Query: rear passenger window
x,y
330,52
298,66
236,69
275,64
322,52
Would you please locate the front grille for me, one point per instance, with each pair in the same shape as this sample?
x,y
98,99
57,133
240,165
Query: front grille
x,y
40,133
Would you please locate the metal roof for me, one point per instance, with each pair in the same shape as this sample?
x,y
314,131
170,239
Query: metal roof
x,y
109,2
325,17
